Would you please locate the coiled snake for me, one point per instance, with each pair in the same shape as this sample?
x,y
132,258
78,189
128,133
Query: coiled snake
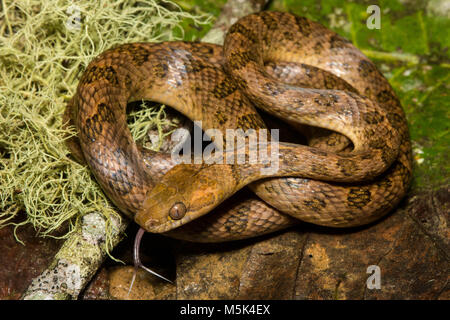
x,y
289,66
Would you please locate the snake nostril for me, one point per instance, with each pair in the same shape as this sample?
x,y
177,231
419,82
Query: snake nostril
x,y
177,211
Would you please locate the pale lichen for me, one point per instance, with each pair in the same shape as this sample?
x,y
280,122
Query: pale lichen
x,y
44,48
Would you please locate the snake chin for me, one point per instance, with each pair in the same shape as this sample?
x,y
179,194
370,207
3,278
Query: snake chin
x,y
160,208
174,202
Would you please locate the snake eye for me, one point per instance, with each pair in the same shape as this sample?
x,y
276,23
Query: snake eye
x,y
177,211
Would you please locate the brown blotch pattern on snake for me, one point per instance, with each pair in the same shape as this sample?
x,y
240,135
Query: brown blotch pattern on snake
x,y
385,96
105,113
249,121
366,69
195,66
373,117
347,166
272,89
237,223
269,21
358,197
315,204
224,88
303,25
93,128
160,69
246,32
97,73
337,41
138,53
240,59
221,117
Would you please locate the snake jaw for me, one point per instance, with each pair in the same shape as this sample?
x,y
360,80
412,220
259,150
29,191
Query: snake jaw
x,y
146,220
165,207
185,193
155,215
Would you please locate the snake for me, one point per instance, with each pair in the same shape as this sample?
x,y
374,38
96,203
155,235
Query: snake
x,y
354,168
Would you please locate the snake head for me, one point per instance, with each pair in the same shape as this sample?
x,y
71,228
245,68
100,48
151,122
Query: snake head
x,y
184,193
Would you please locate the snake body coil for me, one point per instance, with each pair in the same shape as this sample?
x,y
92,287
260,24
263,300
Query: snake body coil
x,y
350,174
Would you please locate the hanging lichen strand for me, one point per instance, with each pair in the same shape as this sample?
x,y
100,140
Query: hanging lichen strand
x,y
44,48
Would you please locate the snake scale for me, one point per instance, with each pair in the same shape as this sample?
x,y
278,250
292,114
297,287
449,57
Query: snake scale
x,y
355,168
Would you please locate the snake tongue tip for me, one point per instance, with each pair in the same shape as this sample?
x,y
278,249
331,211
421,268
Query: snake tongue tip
x,y
155,274
132,281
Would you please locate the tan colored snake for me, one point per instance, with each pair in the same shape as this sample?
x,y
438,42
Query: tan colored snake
x,y
287,65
